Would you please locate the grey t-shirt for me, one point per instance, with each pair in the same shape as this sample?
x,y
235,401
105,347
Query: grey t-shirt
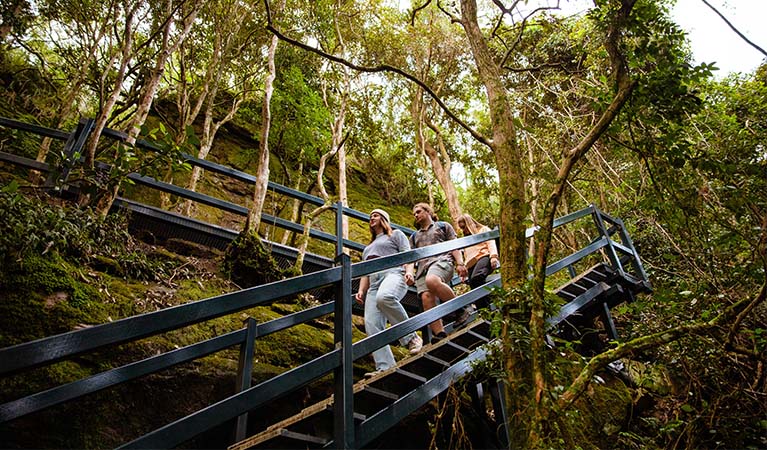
x,y
434,234
384,245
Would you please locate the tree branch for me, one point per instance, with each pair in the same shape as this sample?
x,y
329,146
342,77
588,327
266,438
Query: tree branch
x,y
415,11
598,362
376,69
760,49
728,344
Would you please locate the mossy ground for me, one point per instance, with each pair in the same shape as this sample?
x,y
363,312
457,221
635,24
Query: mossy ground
x,y
27,312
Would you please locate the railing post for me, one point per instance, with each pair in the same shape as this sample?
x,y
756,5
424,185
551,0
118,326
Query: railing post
x,y
343,399
635,261
498,396
607,318
611,253
339,228
244,372
73,146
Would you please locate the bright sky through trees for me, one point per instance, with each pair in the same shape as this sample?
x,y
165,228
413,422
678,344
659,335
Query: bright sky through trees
x,y
713,41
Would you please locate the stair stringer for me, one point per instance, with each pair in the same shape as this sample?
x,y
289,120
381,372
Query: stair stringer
x,y
378,423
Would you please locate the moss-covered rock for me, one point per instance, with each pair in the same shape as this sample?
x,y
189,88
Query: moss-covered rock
x,y
651,377
248,263
41,296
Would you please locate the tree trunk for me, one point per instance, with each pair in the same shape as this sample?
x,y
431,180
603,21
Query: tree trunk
x,y
145,102
126,54
304,241
440,161
337,143
513,211
187,109
624,86
210,128
166,50
262,177
296,203
73,89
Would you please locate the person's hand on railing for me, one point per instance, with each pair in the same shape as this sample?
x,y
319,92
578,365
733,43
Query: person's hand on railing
x,y
463,272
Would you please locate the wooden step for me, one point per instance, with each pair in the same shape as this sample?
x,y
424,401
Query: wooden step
x,y
585,281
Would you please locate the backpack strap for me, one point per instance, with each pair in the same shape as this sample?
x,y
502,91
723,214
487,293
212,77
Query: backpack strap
x,y
441,225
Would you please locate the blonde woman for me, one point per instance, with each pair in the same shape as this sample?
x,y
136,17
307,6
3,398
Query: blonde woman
x,y
381,292
481,259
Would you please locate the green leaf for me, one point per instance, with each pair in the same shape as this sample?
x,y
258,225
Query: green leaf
x,y
10,188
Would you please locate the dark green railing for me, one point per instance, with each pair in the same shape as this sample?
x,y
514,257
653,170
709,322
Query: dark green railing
x,y
73,147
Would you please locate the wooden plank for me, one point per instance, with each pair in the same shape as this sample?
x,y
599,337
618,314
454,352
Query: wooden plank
x,y
274,430
303,437
381,392
593,275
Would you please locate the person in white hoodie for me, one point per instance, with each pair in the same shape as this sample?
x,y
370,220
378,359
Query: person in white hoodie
x,y
381,292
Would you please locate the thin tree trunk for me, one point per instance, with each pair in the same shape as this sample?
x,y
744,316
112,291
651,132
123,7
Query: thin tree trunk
x,y
74,88
166,50
442,166
624,87
338,133
262,176
304,241
126,53
439,160
147,98
188,110
210,128
296,202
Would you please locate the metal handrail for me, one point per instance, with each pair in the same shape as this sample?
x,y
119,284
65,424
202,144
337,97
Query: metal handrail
x,y
78,137
48,350
54,348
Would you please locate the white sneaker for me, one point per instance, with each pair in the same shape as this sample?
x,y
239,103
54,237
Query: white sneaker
x,y
372,374
415,344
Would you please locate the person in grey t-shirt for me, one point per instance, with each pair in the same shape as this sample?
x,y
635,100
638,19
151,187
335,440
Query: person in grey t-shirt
x,y
381,292
434,273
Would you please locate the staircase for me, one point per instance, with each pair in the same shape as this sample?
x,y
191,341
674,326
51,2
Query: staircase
x,y
384,400
591,295
364,408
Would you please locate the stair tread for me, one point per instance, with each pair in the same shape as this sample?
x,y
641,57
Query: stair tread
x,y
584,281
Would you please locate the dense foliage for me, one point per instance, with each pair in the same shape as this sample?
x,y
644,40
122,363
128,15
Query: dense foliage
x,y
684,163
32,228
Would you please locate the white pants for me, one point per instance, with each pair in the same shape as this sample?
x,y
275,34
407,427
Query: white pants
x,y
382,304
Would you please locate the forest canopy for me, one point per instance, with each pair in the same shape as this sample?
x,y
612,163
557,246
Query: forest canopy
x,y
513,113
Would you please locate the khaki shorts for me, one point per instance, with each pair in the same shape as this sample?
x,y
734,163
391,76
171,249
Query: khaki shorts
x,y
442,268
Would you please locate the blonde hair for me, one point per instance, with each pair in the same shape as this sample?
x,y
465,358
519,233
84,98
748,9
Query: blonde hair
x,y
471,223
